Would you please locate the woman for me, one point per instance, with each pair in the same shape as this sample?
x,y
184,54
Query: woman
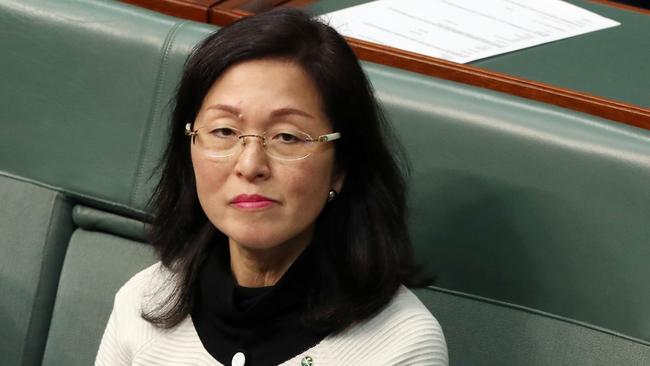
x,y
279,216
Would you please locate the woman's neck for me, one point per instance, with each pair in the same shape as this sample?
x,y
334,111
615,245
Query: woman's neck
x,y
255,267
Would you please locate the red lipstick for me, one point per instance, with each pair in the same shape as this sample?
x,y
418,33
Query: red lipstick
x,y
251,201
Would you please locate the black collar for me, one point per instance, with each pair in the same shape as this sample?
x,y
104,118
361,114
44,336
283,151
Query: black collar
x,y
263,323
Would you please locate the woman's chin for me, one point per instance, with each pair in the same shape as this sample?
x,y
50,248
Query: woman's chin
x,y
256,242
268,243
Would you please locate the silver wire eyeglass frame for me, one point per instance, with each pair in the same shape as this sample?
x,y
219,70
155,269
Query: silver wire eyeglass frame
x,y
242,137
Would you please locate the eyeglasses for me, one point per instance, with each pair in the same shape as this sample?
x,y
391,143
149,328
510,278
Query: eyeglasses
x,y
221,141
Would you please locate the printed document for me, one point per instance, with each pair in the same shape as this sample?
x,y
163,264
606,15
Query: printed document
x,y
465,30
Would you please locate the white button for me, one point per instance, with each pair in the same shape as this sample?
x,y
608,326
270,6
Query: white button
x,y
238,359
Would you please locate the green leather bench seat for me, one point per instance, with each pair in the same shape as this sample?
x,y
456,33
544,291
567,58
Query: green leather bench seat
x,y
96,265
480,331
35,224
526,203
513,200
86,86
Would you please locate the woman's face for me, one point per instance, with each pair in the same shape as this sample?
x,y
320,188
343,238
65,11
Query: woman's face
x,y
254,97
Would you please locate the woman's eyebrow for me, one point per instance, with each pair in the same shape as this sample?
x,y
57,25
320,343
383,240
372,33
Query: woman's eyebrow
x,y
226,108
289,111
276,113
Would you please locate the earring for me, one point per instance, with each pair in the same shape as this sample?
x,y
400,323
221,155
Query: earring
x,y
331,195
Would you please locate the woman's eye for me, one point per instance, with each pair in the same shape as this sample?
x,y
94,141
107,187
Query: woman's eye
x,y
286,138
223,132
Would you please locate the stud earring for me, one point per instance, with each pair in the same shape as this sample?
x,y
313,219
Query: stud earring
x,y
331,195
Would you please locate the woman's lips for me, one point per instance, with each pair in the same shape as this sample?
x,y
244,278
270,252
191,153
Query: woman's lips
x,y
253,205
251,201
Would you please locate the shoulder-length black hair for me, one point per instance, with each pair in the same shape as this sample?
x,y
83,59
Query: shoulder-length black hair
x,y
364,250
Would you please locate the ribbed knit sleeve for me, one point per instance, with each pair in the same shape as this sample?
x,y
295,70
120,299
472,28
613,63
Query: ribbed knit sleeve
x,y
126,331
404,333
111,350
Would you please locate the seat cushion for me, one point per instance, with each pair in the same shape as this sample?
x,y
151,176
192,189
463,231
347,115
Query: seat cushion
x,y
95,267
35,223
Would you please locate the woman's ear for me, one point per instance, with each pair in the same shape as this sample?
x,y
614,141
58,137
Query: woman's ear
x,y
337,181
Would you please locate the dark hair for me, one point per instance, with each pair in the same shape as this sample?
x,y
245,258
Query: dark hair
x,y
363,247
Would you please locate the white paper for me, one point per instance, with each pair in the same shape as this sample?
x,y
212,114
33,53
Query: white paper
x,y
465,30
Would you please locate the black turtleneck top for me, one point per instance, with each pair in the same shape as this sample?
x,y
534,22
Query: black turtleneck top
x,y
263,323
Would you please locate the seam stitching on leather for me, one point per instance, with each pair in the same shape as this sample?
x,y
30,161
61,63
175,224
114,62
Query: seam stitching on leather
x,y
73,196
56,201
162,71
525,309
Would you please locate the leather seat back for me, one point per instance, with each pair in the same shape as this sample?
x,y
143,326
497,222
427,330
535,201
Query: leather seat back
x,y
35,224
89,99
104,252
525,202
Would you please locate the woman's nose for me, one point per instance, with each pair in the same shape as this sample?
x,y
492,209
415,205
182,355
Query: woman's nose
x,y
252,161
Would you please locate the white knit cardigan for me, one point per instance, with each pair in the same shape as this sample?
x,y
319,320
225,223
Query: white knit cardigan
x,y
403,333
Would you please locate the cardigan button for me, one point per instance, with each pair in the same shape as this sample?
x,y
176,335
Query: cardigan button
x,y
238,359
307,361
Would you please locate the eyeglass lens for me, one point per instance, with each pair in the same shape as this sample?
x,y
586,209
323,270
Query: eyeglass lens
x,y
286,144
